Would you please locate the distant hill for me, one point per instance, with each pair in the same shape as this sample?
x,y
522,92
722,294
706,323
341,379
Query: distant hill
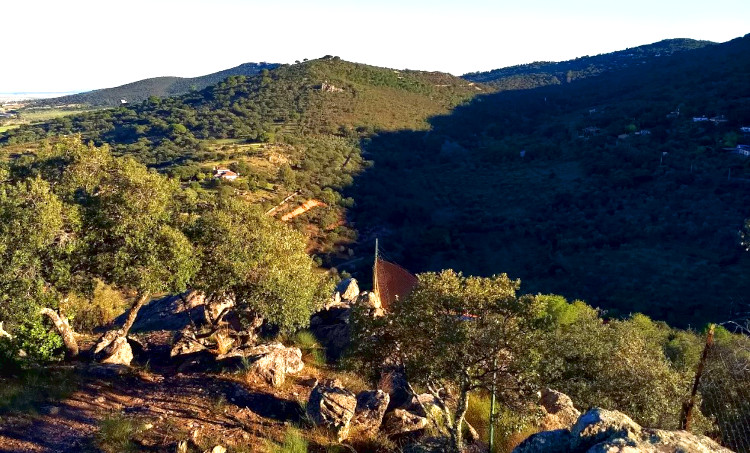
x,y
325,96
543,73
139,91
619,189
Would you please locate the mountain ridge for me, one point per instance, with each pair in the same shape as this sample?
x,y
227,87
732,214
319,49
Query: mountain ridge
x,y
163,86
543,73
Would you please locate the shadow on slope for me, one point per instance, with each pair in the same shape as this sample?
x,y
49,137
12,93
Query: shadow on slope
x,y
594,190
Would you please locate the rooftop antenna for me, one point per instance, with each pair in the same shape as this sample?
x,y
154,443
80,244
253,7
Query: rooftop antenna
x,y
375,271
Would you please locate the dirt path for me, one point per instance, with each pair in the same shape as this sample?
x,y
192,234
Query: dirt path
x,y
206,409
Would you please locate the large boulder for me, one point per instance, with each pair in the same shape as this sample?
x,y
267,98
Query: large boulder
x,y
271,362
400,421
604,431
599,425
331,328
371,301
348,289
332,406
556,441
680,441
559,411
186,344
118,352
368,415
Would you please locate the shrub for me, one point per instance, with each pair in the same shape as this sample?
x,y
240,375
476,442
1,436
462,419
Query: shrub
x,y
101,308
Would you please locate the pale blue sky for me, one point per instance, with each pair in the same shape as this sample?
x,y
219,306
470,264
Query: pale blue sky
x,y
54,45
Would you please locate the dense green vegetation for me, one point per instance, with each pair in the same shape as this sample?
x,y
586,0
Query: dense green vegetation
x,y
75,216
137,92
459,336
543,73
635,215
308,117
620,198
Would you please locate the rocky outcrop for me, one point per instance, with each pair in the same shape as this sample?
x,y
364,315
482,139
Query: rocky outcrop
x,y
604,431
118,352
332,406
371,407
186,344
331,328
559,411
401,421
271,362
348,289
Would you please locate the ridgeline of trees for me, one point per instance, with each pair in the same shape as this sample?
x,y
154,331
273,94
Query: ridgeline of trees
x,y
543,73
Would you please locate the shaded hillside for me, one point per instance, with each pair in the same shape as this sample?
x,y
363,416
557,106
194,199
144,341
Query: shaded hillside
x,y
141,90
597,190
543,73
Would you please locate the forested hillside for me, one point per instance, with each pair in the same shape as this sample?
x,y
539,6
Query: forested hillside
x,y
609,189
543,73
292,130
141,90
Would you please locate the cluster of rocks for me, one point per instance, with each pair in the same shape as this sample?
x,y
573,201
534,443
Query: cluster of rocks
x,y
333,406
331,325
604,431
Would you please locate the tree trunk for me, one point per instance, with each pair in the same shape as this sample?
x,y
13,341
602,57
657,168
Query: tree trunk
x,y
65,331
112,335
3,333
140,301
458,420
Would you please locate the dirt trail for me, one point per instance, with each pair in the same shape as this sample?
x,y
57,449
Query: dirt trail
x,y
205,408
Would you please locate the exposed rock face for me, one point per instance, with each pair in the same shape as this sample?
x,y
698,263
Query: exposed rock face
x,y
556,441
604,431
400,421
368,415
272,362
118,352
598,425
331,328
186,344
559,412
330,88
370,300
349,290
332,406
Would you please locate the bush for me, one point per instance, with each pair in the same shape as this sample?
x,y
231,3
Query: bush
x,y
104,305
41,344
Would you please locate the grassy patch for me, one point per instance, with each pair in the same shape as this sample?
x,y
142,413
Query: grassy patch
x,y
312,352
34,388
294,442
116,433
511,428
